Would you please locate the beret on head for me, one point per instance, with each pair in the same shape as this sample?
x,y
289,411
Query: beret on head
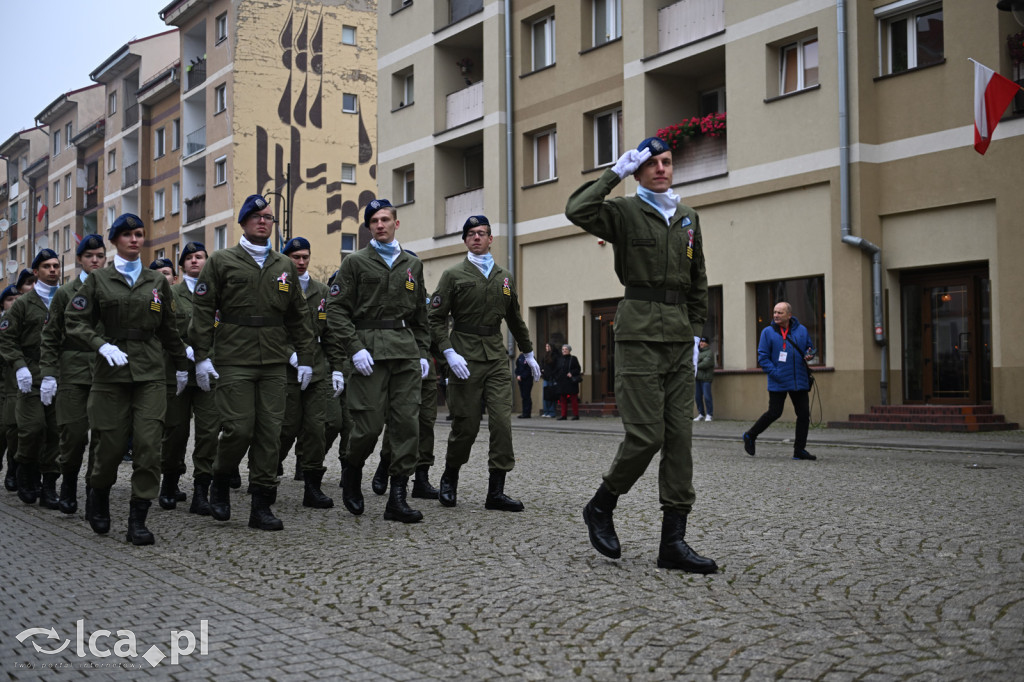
x,y
655,144
161,263
253,203
334,276
296,244
22,276
190,248
9,290
43,256
373,207
89,241
474,221
125,221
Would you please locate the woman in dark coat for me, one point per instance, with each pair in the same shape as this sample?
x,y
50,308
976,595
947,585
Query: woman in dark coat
x,y
568,375
547,373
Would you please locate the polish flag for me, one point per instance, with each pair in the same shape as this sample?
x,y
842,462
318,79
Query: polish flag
x,y
992,94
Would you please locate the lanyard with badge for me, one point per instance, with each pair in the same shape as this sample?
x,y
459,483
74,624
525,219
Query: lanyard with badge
x,y
782,353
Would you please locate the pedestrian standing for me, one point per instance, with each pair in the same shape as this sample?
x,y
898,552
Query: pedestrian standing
x,y
524,379
705,374
568,375
550,388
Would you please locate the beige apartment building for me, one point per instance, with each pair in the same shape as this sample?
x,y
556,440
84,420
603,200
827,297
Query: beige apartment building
x,y
844,181
27,156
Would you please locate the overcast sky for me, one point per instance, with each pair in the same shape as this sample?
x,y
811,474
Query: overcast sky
x,y
51,47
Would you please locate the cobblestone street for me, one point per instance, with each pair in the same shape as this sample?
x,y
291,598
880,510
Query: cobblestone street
x,y
869,564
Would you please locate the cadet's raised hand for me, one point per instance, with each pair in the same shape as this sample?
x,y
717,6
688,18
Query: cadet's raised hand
x,y
630,161
457,363
114,355
363,362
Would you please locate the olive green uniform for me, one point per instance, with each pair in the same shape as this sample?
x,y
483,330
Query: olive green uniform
x,y
127,401
254,316
383,310
428,415
662,268
10,404
478,305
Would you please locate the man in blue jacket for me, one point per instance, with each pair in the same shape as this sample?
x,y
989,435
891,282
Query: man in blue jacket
x,y
783,353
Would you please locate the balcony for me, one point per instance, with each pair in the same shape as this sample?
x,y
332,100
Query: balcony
x,y
131,116
458,206
700,158
90,197
196,75
689,20
130,175
195,209
464,105
195,142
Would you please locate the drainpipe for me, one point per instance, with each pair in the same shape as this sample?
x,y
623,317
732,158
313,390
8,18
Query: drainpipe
x,y
510,198
844,202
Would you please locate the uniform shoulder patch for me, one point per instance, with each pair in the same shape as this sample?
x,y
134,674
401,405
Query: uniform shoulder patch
x,y
436,301
79,302
335,290
201,289
4,324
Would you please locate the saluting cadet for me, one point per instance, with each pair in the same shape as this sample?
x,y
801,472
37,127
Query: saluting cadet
x,y
262,320
10,400
306,410
659,258
68,363
21,333
377,316
126,313
479,294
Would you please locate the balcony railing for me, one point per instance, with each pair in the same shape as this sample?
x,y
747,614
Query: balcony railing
x,y
465,105
689,20
458,206
131,116
195,209
196,75
90,197
699,158
130,175
195,141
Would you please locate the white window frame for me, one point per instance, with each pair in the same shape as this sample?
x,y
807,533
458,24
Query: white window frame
x,y
350,33
348,173
56,193
67,134
616,151
112,103
111,161
889,14
220,237
799,49
67,237
56,143
351,239
220,98
220,171
409,88
345,107
159,142
159,204
67,186
221,27
175,198
409,185
547,25
111,216
552,156
56,241
612,10
175,134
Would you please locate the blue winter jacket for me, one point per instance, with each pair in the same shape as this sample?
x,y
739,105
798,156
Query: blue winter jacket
x,y
791,375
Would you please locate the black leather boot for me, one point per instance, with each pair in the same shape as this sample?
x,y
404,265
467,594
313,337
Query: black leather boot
x,y
48,491
68,499
299,475
235,479
496,497
379,482
598,517
421,487
220,497
260,514
201,495
179,494
351,492
397,509
313,496
99,510
28,483
137,533
11,479
448,493
675,553
168,486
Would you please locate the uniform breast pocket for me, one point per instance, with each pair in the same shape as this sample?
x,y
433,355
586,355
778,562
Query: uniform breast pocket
x,y
238,291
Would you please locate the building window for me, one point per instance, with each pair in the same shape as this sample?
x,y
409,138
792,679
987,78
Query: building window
x,y
56,193
349,103
67,186
176,253
408,185
160,253
544,156
607,21
111,216
348,243
220,98
348,172
111,104
175,134
56,241
67,135
158,204
112,161
607,137
542,42
222,27
348,35
806,297
67,237
798,65
24,210
159,142
910,37
552,326
175,198
220,171
56,142
403,90
220,237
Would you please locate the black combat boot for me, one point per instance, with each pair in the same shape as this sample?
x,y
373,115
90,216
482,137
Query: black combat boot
x,y
598,517
260,514
99,510
379,483
11,479
220,497
201,495
496,497
674,552
313,496
421,487
299,475
68,500
351,492
235,479
168,486
48,491
137,533
448,493
179,494
28,482
397,509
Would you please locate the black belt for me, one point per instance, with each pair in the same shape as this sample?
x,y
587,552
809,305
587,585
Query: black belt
x,y
671,296
253,320
382,324
129,334
476,329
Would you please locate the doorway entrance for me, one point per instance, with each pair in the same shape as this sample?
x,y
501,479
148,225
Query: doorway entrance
x,y
602,345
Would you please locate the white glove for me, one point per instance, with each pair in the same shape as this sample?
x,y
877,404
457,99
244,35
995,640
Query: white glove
x,y
363,362
424,368
457,363
205,370
294,360
114,355
305,376
338,383
47,390
696,352
24,377
630,161
190,354
532,364
180,382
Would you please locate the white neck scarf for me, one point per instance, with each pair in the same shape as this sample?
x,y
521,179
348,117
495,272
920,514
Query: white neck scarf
x,y
665,202
190,282
82,276
389,252
304,282
258,253
131,269
484,263
45,292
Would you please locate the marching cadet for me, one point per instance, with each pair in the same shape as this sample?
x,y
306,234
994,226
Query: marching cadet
x,y
68,363
20,337
254,295
478,294
339,420
306,410
9,400
165,267
377,315
126,313
25,281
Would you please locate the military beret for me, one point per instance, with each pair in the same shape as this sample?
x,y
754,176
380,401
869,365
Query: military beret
x,y
9,290
190,248
22,276
253,203
161,263
296,244
334,276
373,207
655,144
474,221
125,221
89,241
43,256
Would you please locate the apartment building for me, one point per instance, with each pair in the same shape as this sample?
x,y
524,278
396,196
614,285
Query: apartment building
x,y
827,145
23,151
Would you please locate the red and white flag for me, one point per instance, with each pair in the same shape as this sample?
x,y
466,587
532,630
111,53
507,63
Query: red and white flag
x,y
992,94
